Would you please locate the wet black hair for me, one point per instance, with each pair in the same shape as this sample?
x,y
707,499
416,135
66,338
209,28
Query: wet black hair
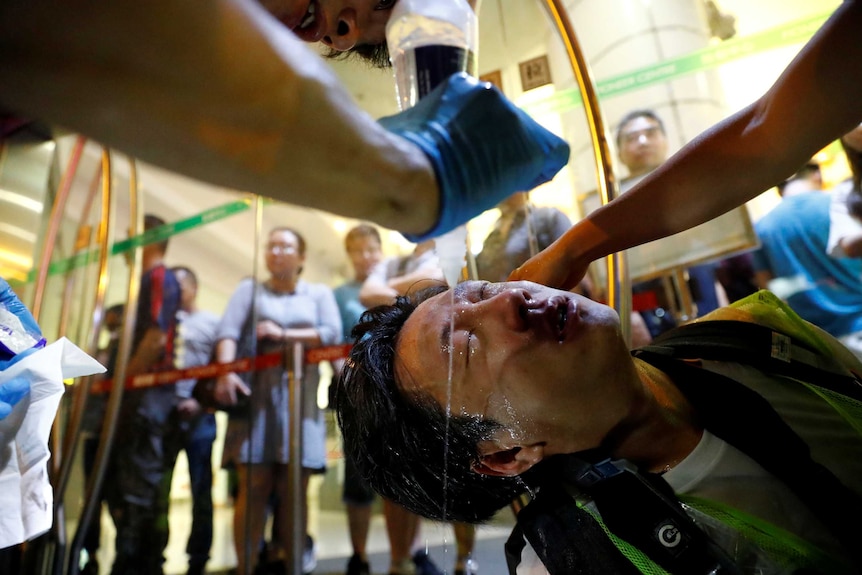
x,y
404,444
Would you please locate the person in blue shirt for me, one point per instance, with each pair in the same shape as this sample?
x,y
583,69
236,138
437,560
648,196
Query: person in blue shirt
x,y
793,261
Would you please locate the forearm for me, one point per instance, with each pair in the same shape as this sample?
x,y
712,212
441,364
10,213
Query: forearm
x,y
221,92
147,352
762,279
226,351
374,294
852,245
418,279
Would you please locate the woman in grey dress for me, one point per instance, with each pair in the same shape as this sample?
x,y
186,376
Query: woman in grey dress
x,y
287,310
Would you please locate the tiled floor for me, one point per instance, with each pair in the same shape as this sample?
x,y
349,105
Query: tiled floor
x,y
329,527
327,523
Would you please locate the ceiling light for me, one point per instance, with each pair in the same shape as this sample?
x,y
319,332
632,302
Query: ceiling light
x,y
16,259
21,200
19,233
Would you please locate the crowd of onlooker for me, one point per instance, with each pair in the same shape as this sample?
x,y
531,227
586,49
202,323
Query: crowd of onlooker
x,y
808,256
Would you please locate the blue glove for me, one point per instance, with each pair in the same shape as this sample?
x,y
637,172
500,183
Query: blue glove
x,y
26,333
482,147
11,393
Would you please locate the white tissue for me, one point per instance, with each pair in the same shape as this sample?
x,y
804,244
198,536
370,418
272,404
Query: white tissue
x,y
26,498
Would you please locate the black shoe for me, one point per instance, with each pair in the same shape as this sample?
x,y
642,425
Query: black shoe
x,y
424,565
197,568
91,568
356,566
277,567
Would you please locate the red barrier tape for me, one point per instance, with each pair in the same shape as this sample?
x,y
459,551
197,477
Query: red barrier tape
x,y
145,380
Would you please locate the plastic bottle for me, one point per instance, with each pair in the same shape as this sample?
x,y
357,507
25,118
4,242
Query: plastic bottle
x,y
428,41
451,250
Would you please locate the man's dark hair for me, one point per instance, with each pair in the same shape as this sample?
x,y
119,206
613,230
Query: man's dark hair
x,y
299,239
362,231
152,221
117,310
635,114
802,173
403,443
375,55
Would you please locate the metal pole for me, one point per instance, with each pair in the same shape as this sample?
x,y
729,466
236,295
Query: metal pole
x,y
250,546
296,529
90,333
55,221
619,288
41,553
92,500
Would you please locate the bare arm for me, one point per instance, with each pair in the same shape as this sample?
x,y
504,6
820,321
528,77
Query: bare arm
x,y
228,385
375,291
219,91
852,245
817,99
762,278
149,350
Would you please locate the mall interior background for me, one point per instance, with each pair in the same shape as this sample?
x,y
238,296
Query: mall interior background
x,y
666,55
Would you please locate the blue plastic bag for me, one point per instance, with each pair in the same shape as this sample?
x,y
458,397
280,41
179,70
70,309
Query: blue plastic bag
x,y
20,335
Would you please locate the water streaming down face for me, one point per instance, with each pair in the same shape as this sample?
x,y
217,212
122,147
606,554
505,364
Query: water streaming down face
x,y
450,248
448,400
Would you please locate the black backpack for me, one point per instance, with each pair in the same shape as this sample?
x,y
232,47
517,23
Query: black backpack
x,y
642,509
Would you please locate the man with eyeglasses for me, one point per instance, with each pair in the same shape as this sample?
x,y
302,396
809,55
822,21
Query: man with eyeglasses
x,y
642,147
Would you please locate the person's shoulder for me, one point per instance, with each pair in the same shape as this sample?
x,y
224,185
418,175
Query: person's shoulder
x,y
245,284
347,287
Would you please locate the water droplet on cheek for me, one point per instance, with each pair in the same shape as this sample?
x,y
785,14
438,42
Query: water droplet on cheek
x,y
498,404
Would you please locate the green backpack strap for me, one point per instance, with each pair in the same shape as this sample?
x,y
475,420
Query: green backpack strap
x,y
567,538
639,527
759,346
744,419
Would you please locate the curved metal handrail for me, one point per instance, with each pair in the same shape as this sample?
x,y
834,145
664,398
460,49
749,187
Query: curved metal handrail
x,y
92,501
54,222
62,470
41,553
618,289
80,392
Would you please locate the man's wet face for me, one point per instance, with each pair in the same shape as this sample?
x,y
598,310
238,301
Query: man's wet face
x,y
523,354
643,145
